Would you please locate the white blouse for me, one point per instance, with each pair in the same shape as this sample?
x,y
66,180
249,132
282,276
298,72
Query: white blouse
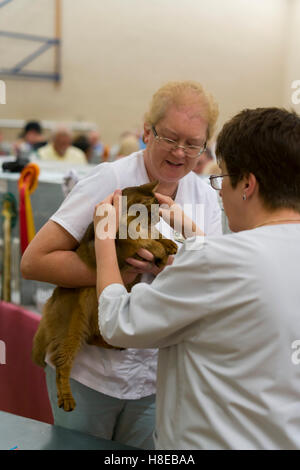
x,y
225,316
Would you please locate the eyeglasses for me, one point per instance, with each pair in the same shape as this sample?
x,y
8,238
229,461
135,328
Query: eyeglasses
x,y
216,181
191,151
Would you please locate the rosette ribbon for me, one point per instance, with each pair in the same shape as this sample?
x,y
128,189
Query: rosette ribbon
x,y
8,216
27,184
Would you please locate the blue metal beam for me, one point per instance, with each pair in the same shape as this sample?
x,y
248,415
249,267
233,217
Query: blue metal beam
x,y
31,57
29,74
16,71
29,37
4,2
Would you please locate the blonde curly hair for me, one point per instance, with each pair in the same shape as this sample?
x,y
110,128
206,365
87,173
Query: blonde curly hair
x,y
181,93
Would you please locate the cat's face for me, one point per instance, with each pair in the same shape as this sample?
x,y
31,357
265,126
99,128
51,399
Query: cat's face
x,y
135,196
142,195
140,201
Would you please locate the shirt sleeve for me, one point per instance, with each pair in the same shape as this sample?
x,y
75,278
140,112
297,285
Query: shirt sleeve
x,y
76,212
215,216
160,314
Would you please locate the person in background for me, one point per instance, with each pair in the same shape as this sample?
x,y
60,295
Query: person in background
x,y
211,168
99,152
115,389
82,142
5,147
60,148
206,157
30,140
225,314
129,143
140,137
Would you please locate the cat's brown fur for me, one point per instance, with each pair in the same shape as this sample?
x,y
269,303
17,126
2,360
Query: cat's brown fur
x,y
70,317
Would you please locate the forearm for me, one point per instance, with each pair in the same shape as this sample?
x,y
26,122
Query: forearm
x,y
108,271
62,268
50,257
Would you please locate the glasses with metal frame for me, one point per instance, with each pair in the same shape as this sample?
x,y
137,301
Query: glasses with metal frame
x,y
216,181
191,151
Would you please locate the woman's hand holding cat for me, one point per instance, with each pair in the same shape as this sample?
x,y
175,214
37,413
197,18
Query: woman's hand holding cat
x,y
106,221
147,266
106,216
174,216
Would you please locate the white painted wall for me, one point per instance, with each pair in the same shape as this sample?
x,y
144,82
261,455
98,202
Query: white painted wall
x,y
292,54
116,53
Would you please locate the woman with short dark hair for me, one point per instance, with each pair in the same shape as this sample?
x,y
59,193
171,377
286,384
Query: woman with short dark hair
x,y
225,315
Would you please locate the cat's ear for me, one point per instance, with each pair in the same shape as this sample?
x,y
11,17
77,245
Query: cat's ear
x,y
150,187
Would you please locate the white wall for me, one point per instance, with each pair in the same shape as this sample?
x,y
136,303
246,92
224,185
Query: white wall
x,y
116,53
292,53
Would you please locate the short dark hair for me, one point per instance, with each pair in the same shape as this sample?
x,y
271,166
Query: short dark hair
x,y
82,142
32,126
265,142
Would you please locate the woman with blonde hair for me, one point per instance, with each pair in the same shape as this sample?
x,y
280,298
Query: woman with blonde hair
x,y
115,390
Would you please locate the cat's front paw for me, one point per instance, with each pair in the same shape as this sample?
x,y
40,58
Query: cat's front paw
x,y
67,403
171,247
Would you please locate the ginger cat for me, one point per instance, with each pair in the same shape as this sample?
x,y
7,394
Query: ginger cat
x,y
70,316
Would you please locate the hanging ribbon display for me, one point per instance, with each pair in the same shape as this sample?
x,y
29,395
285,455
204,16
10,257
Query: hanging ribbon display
x,y
28,182
8,213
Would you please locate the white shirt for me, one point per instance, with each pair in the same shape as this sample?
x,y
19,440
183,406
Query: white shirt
x,y
72,155
225,316
129,374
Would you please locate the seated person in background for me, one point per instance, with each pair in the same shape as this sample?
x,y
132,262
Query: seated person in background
x,y
30,140
129,144
211,168
205,158
5,147
82,142
60,148
99,151
142,144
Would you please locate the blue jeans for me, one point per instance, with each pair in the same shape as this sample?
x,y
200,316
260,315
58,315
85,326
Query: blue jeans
x,y
129,422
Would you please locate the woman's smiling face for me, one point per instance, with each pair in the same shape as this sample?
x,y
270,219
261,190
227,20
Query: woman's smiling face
x,y
185,126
